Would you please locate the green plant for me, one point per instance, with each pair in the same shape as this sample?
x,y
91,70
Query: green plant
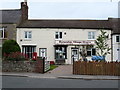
x,y
10,46
102,44
53,67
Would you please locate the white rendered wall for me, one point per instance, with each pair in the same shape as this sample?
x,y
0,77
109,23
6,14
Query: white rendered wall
x,y
116,46
45,38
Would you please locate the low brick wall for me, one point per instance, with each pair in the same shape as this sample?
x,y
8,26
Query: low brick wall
x,y
23,66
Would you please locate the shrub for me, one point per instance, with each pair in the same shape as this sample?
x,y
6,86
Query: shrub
x,y
10,46
16,56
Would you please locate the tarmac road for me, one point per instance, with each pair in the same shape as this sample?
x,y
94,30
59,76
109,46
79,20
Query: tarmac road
x,y
27,82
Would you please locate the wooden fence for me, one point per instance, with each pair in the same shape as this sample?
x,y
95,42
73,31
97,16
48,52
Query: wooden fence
x,y
96,68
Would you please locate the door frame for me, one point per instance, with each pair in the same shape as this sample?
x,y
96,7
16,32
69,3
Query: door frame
x,y
71,54
45,52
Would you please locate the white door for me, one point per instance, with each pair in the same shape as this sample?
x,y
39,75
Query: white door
x,y
43,53
75,55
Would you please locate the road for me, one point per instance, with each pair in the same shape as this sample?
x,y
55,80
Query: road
x,y
26,82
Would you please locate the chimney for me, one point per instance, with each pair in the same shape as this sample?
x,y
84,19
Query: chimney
x,y
24,9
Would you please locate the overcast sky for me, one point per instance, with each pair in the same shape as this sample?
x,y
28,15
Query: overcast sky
x,y
66,9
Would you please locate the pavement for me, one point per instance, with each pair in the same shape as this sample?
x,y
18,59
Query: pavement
x,y
61,72
38,75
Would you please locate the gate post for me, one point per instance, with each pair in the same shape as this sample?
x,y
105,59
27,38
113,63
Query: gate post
x,y
73,65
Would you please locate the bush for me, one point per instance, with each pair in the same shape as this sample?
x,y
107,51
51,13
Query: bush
x,y
16,56
10,46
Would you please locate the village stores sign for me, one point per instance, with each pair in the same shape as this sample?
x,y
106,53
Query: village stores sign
x,y
74,42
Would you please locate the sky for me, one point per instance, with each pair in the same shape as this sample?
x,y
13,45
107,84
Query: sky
x,y
66,9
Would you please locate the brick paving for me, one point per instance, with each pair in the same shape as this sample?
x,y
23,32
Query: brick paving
x,y
61,70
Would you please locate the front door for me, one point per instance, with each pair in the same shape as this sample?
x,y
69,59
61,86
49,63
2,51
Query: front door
x,y
74,54
43,52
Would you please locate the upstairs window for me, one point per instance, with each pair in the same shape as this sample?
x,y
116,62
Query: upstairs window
x,y
117,38
91,35
28,34
2,33
58,35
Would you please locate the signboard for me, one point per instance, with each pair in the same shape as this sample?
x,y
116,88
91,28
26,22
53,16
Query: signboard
x,y
74,42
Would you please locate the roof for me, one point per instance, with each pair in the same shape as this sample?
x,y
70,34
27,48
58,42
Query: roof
x,y
97,24
115,24
10,16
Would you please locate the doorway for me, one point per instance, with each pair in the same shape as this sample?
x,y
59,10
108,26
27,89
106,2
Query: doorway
x,y
74,54
43,53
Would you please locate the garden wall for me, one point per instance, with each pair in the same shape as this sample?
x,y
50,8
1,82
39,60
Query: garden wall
x,y
96,68
23,66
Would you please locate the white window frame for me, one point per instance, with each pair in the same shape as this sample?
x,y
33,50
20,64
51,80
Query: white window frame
x,y
29,33
43,52
31,51
58,33
91,50
3,33
91,35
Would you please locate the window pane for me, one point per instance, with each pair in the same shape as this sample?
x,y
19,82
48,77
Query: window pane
x,y
93,35
93,51
56,35
60,34
30,35
88,53
25,34
89,35
117,39
0,33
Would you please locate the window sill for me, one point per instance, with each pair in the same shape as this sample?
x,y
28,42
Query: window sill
x,y
58,39
91,39
27,39
3,38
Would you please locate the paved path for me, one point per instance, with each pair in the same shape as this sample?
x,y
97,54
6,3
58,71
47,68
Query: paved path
x,y
62,70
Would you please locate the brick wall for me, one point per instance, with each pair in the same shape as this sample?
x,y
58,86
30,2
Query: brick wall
x,y
22,66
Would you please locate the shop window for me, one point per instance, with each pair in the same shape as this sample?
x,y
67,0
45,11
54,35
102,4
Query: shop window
x,y
58,35
117,38
2,33
60,53
28,34
91,51
28,51
91,35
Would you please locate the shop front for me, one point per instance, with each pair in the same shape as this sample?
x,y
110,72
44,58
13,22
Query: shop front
x,y
69,51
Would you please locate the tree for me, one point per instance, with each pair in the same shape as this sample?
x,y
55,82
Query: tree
x,y
10,46
101,44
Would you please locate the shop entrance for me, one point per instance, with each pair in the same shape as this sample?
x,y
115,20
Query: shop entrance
x,y
74,54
